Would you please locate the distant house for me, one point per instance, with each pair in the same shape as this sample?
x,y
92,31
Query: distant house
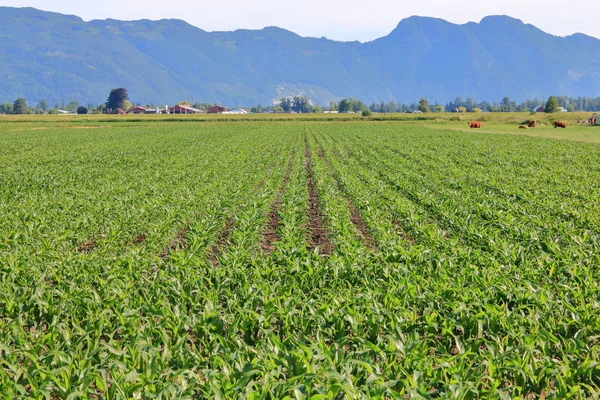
x,y
138,110
330,112
235,111
539,109
562,109
184,109
217,110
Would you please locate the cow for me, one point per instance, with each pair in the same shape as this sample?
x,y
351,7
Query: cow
x,y
532,124
560,124
523,127
476,125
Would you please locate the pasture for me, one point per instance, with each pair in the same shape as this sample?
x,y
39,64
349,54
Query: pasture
x,y
306,257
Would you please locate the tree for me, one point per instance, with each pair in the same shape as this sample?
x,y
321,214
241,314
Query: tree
x,y
551,105
367,113
20,106
72,106
6,108
462,109
301,104
570,107
126,105
424,106
332,106
82,110
505,105
317,109
43,104
184,103
344,106
438,109
477,110
470,104
285,104
116,99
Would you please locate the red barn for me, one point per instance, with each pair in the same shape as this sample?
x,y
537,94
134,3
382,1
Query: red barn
x,y
217,110
184,109
138,110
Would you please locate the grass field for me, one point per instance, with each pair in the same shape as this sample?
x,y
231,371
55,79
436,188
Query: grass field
x,y
314,257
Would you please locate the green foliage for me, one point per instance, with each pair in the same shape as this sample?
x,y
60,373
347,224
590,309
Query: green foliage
x,y
301,104
551,105
43,104
82,110
438,109
424,106
117,99
286,104
367,113
72,106
20,106
137,263
6,108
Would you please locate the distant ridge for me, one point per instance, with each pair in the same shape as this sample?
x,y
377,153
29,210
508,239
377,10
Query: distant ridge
x,y
62,58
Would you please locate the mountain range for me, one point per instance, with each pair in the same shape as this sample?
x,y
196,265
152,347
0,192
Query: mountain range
x,y
63,58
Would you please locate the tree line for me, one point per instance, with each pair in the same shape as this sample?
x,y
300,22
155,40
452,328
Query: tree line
x,y
119,99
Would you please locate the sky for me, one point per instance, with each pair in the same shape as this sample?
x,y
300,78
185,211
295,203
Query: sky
x,y
346,20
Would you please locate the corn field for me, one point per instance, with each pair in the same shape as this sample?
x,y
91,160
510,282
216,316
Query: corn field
x,y
293,260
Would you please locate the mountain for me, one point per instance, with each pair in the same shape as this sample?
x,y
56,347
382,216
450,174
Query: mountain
x,y
63,58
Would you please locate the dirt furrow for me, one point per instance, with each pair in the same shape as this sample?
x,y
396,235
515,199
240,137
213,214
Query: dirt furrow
x,y
355,216
270,234
316,225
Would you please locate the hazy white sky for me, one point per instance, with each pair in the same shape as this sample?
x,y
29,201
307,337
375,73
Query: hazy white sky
x,y
362,20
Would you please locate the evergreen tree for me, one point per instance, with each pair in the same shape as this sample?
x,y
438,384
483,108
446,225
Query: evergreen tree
x,y
117,99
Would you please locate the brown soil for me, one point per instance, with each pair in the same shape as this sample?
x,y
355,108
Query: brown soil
x,y
139,239
87,247
316,224
361,226
218,247
178,243
270,234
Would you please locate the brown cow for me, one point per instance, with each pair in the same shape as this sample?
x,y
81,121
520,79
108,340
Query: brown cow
x,y
523,127
532,124
476,125
560,124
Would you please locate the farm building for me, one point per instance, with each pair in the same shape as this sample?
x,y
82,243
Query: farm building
x,y
184,109
138,110
539,109
217,110
235,111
